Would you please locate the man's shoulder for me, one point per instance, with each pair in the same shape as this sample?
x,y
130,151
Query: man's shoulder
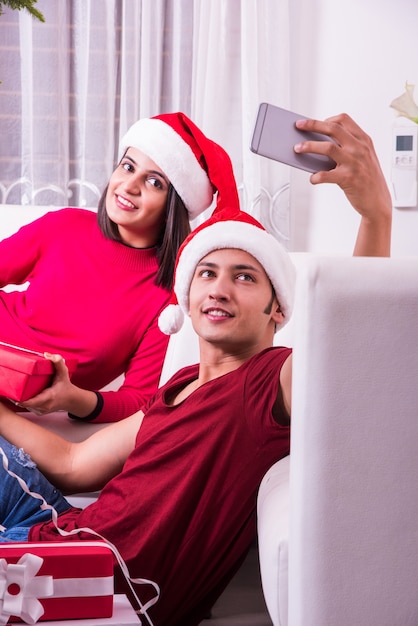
x,y
275,354
265,363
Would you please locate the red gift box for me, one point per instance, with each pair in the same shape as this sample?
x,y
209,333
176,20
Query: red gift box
x,y
24,373
55,581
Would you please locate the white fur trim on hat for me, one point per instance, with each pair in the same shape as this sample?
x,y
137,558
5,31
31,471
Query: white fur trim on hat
x,y
161,143
171,319
240,235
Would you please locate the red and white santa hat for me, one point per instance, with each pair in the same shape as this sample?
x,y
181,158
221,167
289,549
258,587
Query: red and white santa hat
x,y
229,229
196,166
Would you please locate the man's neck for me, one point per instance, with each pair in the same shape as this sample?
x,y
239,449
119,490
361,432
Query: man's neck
x,y
207,371
217,361
213,364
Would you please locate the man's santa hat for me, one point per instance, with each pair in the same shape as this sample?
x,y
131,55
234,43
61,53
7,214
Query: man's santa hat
x,y
196,166
229,229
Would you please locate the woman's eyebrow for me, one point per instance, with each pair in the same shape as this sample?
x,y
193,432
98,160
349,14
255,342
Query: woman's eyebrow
x,y
159,174
155,172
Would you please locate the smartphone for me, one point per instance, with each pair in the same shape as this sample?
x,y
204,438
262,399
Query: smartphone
x,y
275,134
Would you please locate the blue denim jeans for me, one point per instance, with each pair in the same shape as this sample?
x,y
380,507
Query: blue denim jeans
x,y
19,511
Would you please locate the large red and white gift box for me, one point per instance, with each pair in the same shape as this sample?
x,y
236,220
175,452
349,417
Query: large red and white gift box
x,y
24,373
123,615
55,581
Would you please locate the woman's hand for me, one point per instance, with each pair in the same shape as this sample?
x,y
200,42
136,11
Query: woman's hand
x,y
62,395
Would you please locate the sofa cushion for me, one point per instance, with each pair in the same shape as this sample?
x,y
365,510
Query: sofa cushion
x,y
273,535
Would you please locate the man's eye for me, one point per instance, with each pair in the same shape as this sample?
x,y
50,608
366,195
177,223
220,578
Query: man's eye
x,y
206,273
245,277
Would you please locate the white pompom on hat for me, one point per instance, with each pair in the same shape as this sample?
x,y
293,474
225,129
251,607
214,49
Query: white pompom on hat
x,y
196,166
226,229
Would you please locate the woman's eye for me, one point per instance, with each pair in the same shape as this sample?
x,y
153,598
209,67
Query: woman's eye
x,y
155,182
127,166
206,273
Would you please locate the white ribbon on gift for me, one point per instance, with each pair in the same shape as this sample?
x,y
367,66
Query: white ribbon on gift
x,y
24,604
32,588
10,345
64,533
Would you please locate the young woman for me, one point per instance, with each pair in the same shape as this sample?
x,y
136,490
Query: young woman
x,y
97,283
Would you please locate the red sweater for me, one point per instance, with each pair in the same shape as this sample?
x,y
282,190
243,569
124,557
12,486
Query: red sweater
x,y
182,511
90,298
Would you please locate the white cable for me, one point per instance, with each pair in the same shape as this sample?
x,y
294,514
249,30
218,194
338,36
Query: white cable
x,y
64,533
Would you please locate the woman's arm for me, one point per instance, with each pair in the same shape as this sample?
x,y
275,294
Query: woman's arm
x,y
19,253
140,383
73,467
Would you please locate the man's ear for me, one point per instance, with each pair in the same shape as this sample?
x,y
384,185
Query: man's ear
x,y
277,315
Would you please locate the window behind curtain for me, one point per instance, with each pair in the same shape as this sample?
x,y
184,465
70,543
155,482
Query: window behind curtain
x,y
72,85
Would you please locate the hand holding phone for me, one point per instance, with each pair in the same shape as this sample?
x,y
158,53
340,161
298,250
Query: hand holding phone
x,y
275,134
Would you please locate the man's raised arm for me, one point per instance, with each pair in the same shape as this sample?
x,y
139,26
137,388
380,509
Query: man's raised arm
x,y
359,175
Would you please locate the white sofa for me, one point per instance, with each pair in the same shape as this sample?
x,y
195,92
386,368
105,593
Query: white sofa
x,y
338,519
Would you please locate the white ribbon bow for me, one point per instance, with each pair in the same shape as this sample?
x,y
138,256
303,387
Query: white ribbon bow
x,y
20,589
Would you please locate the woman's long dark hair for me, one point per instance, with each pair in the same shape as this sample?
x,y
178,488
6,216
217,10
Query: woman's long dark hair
x,y
176,229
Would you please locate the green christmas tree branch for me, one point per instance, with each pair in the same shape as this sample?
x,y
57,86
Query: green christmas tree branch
x,y
22,4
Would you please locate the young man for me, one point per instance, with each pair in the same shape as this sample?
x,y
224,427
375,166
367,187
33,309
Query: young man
x,y
179,479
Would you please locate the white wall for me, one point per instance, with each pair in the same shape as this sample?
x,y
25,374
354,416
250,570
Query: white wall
x,y
353,56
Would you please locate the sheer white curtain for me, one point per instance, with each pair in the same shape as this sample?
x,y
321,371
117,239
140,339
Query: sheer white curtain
x,y
72,85
241,58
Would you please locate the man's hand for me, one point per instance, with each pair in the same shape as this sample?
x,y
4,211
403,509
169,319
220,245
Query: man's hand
x,y
359,175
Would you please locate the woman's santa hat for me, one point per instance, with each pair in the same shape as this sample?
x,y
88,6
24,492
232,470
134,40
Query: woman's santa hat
x,y
196,166
229,229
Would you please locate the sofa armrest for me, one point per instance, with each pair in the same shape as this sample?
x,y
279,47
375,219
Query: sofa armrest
x,y
354,533
273,539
